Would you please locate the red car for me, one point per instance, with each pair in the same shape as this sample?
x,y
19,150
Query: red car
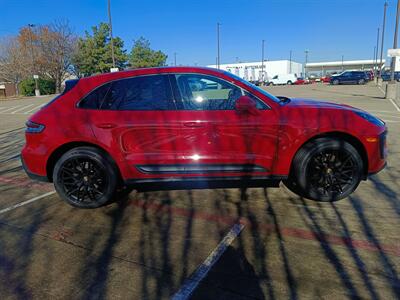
x,y
300,81
196,127
326,79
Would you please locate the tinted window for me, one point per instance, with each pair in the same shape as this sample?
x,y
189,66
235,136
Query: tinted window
x,y
138,93
96,97
203,92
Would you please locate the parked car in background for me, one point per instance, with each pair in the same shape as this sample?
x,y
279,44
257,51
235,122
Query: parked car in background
x,y
350,77
313,78
300,81
387,76
191,126
283,79
326,79
370,75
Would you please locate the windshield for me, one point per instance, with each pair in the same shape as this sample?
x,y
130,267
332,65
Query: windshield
x,y
272,97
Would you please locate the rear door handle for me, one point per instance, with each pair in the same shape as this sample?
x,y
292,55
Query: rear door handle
x,y
106,125
193,124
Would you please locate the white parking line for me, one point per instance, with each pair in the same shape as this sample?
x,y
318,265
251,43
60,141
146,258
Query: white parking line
x,y
10,108
394,104
22,108
193,281
26,202
36,107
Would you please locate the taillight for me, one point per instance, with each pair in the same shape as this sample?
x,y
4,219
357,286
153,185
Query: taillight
x,y
32,127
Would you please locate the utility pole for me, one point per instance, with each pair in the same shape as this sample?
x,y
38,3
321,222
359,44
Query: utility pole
x,y
174,58
305,65
111,34
218,54
290,62
383,36
393,62
34,75
376,54
262,62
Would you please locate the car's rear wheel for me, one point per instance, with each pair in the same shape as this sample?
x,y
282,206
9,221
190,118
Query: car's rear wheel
x,y
289,82
361,81
85,177
335,82
326,170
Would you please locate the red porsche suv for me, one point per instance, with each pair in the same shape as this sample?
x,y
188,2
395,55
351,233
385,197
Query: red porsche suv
x,y
196,127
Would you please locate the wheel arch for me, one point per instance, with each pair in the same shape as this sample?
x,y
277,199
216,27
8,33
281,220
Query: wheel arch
x,y
59,151
351,139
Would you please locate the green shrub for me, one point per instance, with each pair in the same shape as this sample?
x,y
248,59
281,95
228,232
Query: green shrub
x,y
46,86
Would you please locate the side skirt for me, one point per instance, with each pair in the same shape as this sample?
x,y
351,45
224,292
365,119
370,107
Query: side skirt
x,y
185,183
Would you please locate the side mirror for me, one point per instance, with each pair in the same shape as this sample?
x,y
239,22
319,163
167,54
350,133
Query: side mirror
x,y
244,104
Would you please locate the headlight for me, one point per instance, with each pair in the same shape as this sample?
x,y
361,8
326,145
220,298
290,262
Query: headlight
x,y
370,118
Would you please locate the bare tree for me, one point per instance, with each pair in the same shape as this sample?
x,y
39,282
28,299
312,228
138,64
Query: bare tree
x,y
13,61
56,46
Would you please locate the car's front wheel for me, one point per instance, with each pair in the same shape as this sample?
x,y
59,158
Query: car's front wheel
x,y
85,177
335,82
361,81
326,170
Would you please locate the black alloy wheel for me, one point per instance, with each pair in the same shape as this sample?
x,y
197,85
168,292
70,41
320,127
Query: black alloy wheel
x,y
326,170
85,177
331,172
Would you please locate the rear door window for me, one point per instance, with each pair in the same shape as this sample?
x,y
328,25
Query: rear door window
x,y
152,92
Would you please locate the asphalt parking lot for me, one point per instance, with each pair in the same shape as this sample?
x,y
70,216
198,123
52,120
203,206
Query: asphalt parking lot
x,y
274,244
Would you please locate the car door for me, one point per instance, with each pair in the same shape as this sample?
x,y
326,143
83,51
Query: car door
x,y
137,119
217,138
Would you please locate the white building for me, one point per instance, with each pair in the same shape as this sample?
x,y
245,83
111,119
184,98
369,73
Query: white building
x,y
251,71
338,66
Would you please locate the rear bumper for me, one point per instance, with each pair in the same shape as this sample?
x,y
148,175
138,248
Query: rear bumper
x,y
33,175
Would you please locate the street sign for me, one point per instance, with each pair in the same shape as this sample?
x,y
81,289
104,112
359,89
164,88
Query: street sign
x,y
393,52
35,76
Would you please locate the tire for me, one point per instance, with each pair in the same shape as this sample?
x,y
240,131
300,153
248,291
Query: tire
x,y
335,82
361,81
326,170
86,177
289,82
270,84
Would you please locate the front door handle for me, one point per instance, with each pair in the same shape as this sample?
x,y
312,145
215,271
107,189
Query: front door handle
x,y
106,125
193,124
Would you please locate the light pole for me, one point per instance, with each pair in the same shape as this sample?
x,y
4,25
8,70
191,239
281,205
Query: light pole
x,y
376,54
373,60
111,34
35,76
290,62
305,65
393,62
342,64
218,54
383,36
262,62
174,58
